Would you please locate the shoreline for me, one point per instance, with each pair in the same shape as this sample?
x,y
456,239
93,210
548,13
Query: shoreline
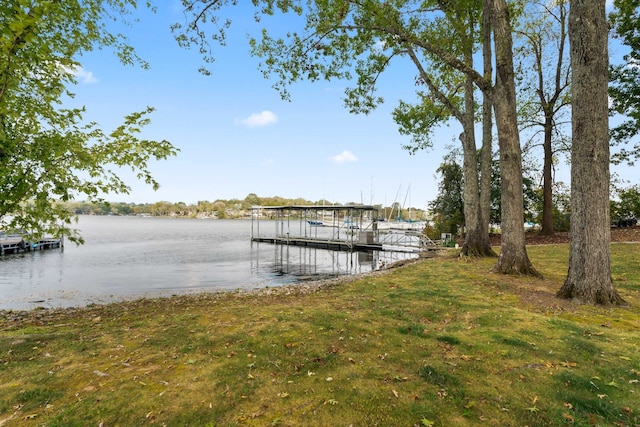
x,y
302,287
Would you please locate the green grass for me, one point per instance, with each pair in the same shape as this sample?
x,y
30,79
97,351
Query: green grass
x,y
441,342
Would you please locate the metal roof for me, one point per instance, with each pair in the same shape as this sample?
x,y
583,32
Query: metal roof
x,y
318,207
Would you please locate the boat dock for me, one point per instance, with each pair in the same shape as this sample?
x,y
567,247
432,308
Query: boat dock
x,y
15,243
340,227
336,245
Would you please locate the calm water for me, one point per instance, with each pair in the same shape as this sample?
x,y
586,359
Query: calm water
x,y
128,257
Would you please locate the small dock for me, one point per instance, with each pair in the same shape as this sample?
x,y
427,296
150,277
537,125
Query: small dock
x,y
335,245
340,228
15,243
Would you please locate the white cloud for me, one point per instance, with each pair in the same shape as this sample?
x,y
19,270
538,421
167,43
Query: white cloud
x,y
84,76
263,118
344,157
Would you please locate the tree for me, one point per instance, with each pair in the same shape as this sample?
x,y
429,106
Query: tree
x,y
48,152
459,32
448,207
625,79
545,74
219,209
513,255
589,277
627,206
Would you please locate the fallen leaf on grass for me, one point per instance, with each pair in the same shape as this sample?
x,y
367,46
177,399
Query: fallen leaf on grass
x,y
569,364
395,393
568,418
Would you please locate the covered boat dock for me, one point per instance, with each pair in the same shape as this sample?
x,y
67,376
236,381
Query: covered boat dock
x,y
15,243
333,227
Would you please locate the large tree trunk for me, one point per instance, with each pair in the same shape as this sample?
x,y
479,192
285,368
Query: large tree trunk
x,y
476,241
547,181
513,252
589,277
486,153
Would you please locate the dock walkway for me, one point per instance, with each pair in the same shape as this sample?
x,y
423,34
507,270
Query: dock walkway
x,y
336,245
13,244
340,227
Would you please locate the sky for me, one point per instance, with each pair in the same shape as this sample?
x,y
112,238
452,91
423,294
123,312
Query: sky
x,y
236,135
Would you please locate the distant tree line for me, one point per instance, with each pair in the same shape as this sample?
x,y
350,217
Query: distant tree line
x,y
220,209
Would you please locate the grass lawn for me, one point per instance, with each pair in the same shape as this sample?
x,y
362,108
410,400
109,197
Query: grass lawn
x,y
441,342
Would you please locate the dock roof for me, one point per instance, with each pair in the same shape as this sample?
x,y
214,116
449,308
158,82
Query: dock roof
x,y
319,207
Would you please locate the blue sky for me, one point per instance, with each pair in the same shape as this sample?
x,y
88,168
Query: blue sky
x,y
237,136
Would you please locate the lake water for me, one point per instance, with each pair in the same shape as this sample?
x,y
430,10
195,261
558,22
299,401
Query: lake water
x,y
130,257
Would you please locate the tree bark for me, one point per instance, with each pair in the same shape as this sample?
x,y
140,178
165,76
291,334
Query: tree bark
x,y
547,181
513,257
486,153
476,241
589,277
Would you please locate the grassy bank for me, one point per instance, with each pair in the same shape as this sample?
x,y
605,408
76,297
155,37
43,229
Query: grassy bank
x,y
438,343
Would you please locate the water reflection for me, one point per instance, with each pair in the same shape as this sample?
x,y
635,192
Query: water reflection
x,y
130,257
304,263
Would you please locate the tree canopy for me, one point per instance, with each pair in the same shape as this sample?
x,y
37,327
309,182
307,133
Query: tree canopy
x,y
624,88
48,152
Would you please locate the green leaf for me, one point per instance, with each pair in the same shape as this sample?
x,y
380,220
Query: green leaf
x,y
49,153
